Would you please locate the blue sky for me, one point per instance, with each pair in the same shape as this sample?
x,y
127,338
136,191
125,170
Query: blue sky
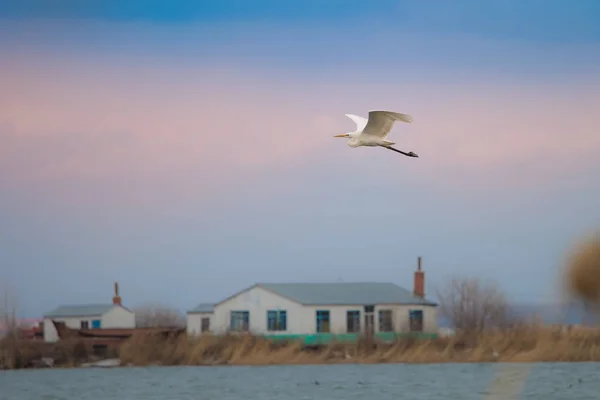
x,y
185,148
550,20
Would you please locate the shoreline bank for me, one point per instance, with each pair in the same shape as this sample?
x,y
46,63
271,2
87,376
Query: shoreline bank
x,y
530,344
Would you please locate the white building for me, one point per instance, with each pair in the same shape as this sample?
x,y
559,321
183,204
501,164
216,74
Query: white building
x,y
319,310
199,319
89,316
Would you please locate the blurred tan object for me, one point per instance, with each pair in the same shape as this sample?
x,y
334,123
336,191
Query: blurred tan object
x,y
583,270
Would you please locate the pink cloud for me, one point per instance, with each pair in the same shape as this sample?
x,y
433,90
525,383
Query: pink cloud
x,y
492,134
143,121
158,126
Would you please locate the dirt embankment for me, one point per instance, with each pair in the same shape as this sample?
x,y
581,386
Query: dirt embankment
x,y
525,344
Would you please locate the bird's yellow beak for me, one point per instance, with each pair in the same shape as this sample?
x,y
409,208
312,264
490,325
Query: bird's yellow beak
x,y
341,135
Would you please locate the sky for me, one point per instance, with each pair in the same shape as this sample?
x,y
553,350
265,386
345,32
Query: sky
x,y
185,149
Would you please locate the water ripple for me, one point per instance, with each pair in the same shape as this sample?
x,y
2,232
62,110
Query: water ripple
x,y
324,382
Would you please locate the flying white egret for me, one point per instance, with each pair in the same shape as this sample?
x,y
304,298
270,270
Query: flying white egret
x,y
372,132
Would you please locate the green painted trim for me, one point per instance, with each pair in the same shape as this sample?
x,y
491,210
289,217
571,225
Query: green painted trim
x,y
324,338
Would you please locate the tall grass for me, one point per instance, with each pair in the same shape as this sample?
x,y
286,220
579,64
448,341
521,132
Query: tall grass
x,y
523,344
21,353
529,343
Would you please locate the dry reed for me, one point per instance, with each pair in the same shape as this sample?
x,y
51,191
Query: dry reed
x,y
524,344
22,353
527,343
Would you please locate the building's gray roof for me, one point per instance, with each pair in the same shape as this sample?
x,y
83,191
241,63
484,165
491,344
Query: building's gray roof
x,y
203,308
80,310
346,293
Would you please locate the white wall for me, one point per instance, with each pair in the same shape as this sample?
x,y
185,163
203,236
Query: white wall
x,y
257,301
50,334
117,317
401,320
302,319
338,317
194,322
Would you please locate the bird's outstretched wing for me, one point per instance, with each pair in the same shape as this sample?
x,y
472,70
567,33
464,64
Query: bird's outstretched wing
x,y
380,122
359,121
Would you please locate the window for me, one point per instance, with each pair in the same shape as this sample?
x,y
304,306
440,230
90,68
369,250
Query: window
x,y
95,324
369,308
353,321
240,321
385,321
276,320
205,324
84,324
416,320
323,321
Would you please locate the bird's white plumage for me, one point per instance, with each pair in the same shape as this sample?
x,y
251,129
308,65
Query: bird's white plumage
x,y
380,123
372,132
359,121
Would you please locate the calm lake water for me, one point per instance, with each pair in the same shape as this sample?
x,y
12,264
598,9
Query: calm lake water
x,y
325,382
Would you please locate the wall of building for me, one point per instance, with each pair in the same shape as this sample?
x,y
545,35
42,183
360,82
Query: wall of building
x,y
401,317
194,322
118,317
301,320
337,318
50,334
257,301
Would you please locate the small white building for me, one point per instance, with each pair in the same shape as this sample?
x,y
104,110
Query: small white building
x,y
313,311
199,319
89,316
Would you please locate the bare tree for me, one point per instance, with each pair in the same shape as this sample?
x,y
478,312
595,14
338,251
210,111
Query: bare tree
x,y
158,316
9,322
471,306
9,329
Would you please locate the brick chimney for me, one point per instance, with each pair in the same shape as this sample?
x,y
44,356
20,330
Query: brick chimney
x,y
116,298
419,284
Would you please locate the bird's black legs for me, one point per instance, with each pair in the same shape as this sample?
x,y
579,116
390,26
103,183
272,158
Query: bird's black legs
x,y
409,154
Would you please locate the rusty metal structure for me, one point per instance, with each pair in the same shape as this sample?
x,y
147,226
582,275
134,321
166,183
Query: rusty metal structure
x,y
109,338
